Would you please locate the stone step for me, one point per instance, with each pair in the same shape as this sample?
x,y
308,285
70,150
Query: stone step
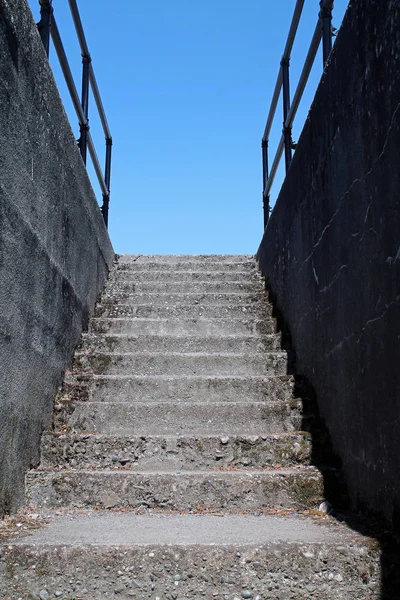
x,y
185,287
230,491
183,326
177,363
195,266
183,311
196,258
123,343
176,418
177,389
201,298
151,275
148,557
184,452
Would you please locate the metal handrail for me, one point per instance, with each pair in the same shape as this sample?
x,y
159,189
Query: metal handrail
x,y
48,26
286,55
323,29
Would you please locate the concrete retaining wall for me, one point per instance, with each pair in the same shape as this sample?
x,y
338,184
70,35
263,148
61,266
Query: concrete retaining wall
x,y
55,252
331,252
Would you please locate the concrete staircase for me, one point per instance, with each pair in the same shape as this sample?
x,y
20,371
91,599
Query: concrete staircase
x,y
177,468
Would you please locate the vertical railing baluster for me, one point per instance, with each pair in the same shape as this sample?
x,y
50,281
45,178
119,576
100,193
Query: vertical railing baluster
x,y
107,180
325,14
46,12
265,168
287,131
84,128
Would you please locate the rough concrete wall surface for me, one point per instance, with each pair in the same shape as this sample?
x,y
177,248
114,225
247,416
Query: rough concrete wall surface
x,y
331,252
55,252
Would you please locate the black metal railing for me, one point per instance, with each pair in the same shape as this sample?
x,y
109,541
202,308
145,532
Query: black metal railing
x,y
322,30
48,28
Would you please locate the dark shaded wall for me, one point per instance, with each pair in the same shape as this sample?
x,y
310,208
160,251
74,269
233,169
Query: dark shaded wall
x,y
55,252
331,253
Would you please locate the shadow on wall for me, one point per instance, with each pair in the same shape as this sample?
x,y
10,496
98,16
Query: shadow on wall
x,y
331,255
329,463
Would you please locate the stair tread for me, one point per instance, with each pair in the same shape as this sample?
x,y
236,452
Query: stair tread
x,y
183,403
126,529
269,471
168,377
141,354
178,319
179,436
258,294
135,336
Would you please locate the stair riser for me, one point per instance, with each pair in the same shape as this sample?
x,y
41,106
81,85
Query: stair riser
x,y
187,287
142,389
230,492
121,344
273,364
295,570
118,297
183,311
191,266
186,276
181,453
184,327
180,418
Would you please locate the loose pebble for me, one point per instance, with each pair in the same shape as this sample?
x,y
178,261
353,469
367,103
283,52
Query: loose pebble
x,y
325,507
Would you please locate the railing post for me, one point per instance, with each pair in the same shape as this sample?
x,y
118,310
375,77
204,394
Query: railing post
x,y
325,14
46,12
107,180
84,129
287,131
265,168
105,207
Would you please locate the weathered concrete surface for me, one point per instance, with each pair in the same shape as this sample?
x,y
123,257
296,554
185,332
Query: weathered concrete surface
x,y
55,253
212,491
202,298
331,252
183,327
182,364
190,276
158,343
213,286
168,418
182,446
192,557
109,309
246,265
185,452
178,389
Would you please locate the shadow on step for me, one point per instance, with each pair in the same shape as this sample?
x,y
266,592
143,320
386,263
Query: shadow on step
x,y
335,488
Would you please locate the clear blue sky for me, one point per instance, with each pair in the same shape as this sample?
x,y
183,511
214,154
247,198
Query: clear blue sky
x,y
186,87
